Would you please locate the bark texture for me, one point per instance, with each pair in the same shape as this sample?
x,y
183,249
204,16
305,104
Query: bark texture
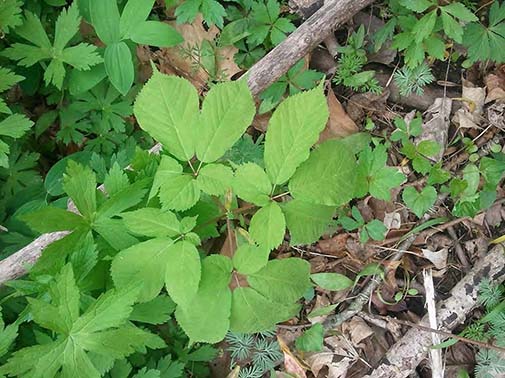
x,y
404,356
17,264
317,27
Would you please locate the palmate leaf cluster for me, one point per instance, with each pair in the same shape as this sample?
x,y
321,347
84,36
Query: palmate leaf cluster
x,y
81,56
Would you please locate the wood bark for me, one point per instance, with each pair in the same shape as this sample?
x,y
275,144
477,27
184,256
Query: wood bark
x,y
260,76
317,27
404,356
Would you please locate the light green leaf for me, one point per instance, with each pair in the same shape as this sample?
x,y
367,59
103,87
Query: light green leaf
x,y
460,11
179,193
167,109
206,317
168,169
226,113
248,258
282,281
331,281
15,126
114,232
424,27
119,66
80,184
155,33
156,311
54,219
311,340
327,177
306,221
134,13
111,309
252,184
268,226
251,312
105,20
292,131
419,202
143,263
451,27
416,5
182,272
152,222
322,311
215,179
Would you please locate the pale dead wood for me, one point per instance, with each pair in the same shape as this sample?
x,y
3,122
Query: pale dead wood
x,y
260,76
404,356
304,39
17,264
437,363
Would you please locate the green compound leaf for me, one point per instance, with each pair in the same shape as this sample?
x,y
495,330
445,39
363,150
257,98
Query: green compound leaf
x,y
311,340
144,262
215,179
268,226
152,222
293,129
183,272
331,281
167,109
248,258
327,177
226,113
282,281
419,202
207,317
251,312
306,221
252,184
374,176
179,193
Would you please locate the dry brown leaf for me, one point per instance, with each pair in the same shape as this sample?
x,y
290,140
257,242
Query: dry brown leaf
x,y
495,85
470,114
291,364
174,60
436,128
437,258
357,329
339,124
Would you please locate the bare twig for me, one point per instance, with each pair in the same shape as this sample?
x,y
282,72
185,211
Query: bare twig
x,y
404,356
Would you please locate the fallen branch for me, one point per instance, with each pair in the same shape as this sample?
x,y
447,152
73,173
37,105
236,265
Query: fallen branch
x,y
302,41
260,76
404,356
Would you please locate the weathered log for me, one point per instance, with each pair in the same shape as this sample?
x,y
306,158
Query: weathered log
x,y
304,39
16,265
260,76
404,356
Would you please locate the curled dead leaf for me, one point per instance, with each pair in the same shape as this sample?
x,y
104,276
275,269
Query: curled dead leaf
x,y
339,124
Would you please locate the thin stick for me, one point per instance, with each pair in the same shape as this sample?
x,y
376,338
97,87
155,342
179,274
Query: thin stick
x,y
446,334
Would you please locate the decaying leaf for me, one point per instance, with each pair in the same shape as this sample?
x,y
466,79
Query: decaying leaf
x,y
470,114
438,258
357,329
495,85
437,127
339,124
197,58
